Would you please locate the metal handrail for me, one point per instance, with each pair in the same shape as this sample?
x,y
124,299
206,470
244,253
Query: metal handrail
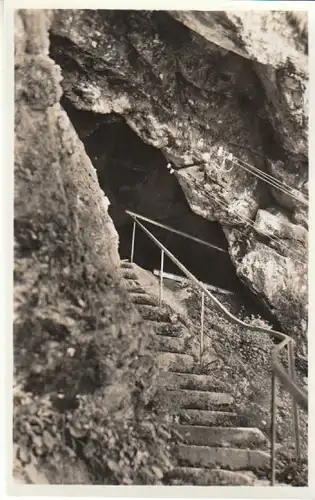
x,y
299,396
176,231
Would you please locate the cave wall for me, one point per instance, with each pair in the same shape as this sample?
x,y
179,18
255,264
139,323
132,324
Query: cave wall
x,y
187,91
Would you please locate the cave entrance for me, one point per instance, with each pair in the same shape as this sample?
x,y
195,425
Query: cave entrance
x,y
134,177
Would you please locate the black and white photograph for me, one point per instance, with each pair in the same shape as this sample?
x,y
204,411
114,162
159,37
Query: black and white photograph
x,y
161,215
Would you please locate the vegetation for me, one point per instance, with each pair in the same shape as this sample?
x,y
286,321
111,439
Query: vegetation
x,y
86,408
87,445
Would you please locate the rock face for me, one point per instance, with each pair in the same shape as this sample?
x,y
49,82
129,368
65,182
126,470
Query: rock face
x,y
80,204
82,370
189,82
277,42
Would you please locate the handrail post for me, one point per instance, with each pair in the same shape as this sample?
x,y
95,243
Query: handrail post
x,y
133,241
202,323
273,428
295,414
161,278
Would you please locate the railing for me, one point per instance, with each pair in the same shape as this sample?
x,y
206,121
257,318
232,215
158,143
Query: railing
x,y
299,396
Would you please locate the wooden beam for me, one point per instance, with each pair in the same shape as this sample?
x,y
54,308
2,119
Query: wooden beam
x,y
180,279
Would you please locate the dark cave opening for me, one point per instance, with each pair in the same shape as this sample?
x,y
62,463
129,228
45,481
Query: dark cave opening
x,y
134,176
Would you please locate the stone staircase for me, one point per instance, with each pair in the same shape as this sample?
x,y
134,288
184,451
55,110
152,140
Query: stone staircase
x,y
214,448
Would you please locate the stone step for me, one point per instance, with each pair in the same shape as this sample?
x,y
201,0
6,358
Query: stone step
x,y
133,287
212,477
128,274
235,437
169,344
227,458
207,417
153,313
266,482
176,362
143,299
199,382
166,328
203,400
125,264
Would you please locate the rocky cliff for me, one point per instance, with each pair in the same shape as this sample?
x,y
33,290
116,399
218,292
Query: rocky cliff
x,y
83,374
189,82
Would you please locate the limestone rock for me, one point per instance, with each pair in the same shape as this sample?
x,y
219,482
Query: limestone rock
x,y
276,224
277,41
189,82
280,281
